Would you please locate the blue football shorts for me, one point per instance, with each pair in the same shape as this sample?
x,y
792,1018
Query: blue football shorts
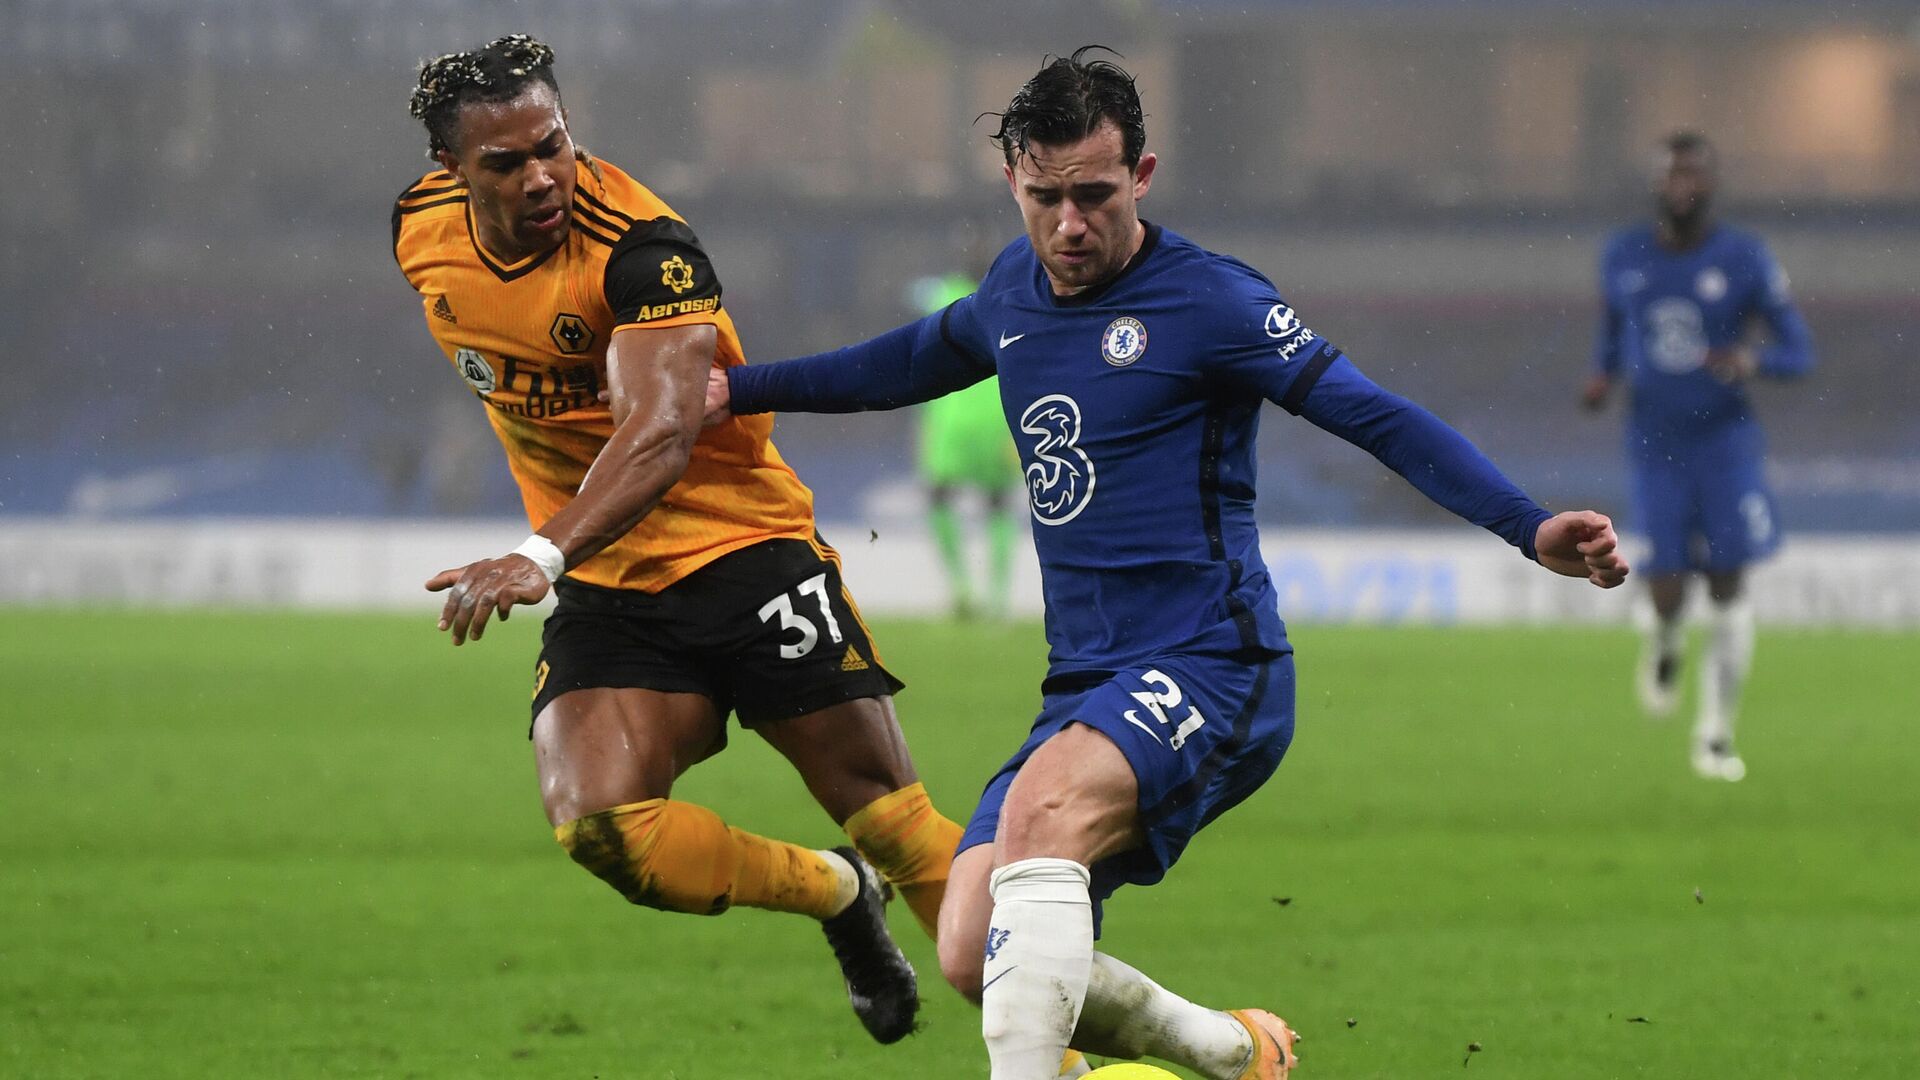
x,y
1704,504
1202,732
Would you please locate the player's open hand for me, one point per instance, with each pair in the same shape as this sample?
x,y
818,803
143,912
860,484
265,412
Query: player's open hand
x,y
1581,543
478,590
719,398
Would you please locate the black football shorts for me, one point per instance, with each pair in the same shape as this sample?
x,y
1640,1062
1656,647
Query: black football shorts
x,y
767,631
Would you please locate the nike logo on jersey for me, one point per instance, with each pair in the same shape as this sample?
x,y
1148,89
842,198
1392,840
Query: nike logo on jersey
x,y
1006,341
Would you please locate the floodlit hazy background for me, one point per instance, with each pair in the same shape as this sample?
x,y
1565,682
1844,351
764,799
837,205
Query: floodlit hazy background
x,y
202,315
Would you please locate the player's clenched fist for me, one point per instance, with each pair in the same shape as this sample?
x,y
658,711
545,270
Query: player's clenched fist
x,y
477,590
1581,543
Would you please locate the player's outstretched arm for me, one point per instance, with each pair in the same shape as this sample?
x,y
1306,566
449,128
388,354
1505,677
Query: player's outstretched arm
x,y
657,378
906,366
1581,543
1418,445
1451,471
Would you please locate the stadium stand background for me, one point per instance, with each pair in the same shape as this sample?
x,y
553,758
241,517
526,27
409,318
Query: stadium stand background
x,y
203,317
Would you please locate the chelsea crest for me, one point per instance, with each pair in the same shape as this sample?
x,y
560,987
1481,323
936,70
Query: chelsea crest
x,y
1124,342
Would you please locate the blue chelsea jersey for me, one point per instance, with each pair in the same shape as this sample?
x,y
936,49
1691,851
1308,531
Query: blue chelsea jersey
x,y
1134,406
1665,309
1137,444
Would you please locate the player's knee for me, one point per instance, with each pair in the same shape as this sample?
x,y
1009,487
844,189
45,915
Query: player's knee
x,y
961,961
657,854
1724,588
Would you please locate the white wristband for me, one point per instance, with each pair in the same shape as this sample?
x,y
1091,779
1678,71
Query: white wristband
x,y
544,555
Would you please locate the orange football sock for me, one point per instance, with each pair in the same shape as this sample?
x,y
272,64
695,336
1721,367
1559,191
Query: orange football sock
x,y
911,844
680,857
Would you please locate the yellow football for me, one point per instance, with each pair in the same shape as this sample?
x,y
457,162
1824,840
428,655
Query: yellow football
x,y
1130,1070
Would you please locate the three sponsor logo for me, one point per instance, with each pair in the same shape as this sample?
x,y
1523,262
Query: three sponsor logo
x,y
1060,478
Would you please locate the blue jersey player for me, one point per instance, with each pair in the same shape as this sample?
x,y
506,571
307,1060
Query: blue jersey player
x,y
1681,296
1133,366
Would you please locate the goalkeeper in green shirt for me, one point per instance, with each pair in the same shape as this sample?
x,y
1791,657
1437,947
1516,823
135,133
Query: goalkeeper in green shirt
x,y
964,444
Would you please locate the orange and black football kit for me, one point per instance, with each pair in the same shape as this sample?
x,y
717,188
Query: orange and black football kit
x,y
724,588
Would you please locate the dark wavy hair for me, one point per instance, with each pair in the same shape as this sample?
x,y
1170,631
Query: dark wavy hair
x,y
1067,100
500,71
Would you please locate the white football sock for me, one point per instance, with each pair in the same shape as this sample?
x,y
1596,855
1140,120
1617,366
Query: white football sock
x,y
1724,674
1039,954
1128,1015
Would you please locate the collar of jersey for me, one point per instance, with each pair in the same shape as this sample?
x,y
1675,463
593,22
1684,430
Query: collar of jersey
x,y
1088,296
507,271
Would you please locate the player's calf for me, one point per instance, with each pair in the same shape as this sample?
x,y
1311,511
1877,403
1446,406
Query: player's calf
x,y
963,921
912,845
676,856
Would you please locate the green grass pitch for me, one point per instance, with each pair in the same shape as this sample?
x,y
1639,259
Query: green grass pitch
x,y
290,846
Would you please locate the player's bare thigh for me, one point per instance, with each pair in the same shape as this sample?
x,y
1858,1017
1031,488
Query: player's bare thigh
x,y
1669,593
609,746
1075,798
848,754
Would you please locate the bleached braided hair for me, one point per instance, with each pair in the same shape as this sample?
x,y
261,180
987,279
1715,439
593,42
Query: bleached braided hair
x,y
501,71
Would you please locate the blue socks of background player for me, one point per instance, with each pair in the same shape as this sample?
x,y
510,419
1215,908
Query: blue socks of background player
x,y
1039,957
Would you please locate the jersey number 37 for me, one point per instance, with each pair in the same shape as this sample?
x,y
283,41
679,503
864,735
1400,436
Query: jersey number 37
x,y
781,607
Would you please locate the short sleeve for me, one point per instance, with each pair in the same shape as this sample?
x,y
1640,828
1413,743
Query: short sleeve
x,y
1264,346
658,275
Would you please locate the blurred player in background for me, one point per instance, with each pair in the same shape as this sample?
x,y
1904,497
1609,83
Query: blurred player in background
x,y
690,579
1133,365
964,446
1681,294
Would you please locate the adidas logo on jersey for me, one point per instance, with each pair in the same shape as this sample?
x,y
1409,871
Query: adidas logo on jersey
x,y
444,310
852,661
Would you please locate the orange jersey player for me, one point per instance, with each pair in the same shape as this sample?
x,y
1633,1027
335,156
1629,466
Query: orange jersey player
x,y
531,338
690,582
